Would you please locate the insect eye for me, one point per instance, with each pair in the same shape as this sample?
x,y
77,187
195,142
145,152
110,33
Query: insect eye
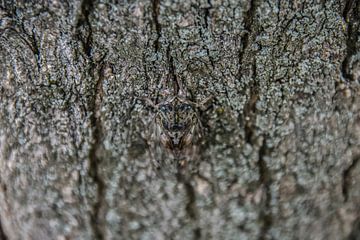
x,y
185,107
165,108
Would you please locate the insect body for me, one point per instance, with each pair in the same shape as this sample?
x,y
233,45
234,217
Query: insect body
x,y
178,125
176,117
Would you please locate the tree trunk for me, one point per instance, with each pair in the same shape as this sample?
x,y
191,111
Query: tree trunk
x,y
279,154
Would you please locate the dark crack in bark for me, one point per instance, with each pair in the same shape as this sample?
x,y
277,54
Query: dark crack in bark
x,y
348,5
155,16
96,218
2,233
172,70
197,233
35,49
249,116
191,204
84,34
265,180
248,22
146,71
352,36
347,178
207,13
205,27
249,112
355,233
30,40
83,26
190,207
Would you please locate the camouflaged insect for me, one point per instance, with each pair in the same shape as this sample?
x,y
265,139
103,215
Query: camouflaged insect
x,y
177,119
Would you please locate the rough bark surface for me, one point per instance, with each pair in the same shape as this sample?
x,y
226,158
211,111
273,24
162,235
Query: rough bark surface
x,y
280,157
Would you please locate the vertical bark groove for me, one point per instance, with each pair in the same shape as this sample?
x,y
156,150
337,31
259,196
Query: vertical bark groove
x,y
172,70
155,16
250,117
207,13
355,233
97,218
84,34
190,207
248,22
83,21
265,181
348,5
351,8
347,178
2,233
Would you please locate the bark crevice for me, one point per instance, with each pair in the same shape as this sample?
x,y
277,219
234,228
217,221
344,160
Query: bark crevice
x,y
249,112
83,21
245,39
265,181
96,218
347,178
190,206
348,5
249,117
205,27
351,8
95,71
3,236
172,70
155,16
355,233
207,13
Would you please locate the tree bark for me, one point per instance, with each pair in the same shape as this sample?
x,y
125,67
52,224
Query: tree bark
x,y
279,158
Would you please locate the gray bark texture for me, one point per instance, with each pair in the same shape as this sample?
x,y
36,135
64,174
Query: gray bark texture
x,y
279,157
